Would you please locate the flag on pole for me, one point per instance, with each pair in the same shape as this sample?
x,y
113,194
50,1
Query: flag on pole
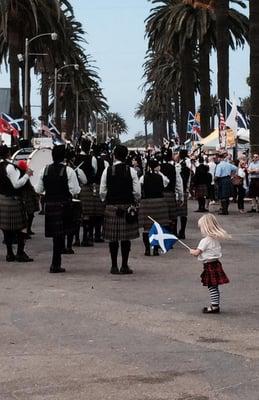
x,y
242,119
194,127
16,123
5,127
159,236
231,119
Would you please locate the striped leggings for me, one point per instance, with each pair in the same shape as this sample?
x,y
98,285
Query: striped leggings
x,y
214,295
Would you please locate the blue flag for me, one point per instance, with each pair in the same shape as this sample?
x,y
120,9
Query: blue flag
x,y
159,236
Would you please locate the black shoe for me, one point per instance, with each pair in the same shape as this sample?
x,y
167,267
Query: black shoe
x,y
68,251
156,252
147,253
31,233
27,236
56,270
10,257
90,243
23,257
99,240
181,235
211,310
251,211
76,243
126,271
114,270
41,212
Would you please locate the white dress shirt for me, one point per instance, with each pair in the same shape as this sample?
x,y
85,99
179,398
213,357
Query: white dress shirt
x,y
165,179
136,185
15,176
72,181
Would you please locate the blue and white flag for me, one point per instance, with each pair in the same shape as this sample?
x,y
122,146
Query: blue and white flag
x,y
18,124
242,119
159,236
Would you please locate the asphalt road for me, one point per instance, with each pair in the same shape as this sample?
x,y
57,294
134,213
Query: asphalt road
x,y
89,335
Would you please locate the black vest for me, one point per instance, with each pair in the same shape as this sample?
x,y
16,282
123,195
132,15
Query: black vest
x,y
56,183
119,185
169,171
87,167
153,186
6,187
100,169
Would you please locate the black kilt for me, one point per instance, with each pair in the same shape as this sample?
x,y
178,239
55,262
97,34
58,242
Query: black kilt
x,y
254,188
58,219
183,211
213,274
156,209
12,213
225,188
201,191
31,201
116,227
171,205
92,206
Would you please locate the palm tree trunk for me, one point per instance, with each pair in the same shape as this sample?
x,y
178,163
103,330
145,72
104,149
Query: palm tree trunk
x,y
222,10
45,96
188,89
15,107
254,75
159,131
146,133
204,67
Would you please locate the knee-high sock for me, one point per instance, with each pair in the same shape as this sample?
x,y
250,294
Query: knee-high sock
x,y
114,247
20,242
8,238
98,227
214,295
146,242
57,249
29,222
85,230
125,250
183,224
70,240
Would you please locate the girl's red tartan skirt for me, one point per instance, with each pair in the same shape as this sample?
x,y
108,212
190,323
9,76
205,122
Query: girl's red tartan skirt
x,y
213,274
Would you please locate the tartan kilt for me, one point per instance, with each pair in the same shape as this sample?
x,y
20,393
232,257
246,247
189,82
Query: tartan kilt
x,y
201,191
225,188
116,227
213,274
92,206
156,209
12,213
31,201
254,187
171,205
183,211
76,214
58,219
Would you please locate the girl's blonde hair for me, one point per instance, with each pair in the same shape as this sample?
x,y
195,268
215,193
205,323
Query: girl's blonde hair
x,y
209,226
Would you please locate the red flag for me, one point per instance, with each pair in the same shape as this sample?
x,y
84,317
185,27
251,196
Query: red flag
x,y
5,127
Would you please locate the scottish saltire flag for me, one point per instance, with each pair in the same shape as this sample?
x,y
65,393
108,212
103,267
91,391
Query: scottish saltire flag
x,y
56,135
16,123
159,236
241,119
194,127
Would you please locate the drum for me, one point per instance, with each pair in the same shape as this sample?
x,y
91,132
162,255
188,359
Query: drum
x,y
36,159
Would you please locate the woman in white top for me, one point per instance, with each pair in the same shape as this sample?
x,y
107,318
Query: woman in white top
x,y
242,188
209,252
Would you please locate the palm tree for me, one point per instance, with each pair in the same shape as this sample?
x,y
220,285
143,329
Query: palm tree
x,y
20,19
141,112
254,75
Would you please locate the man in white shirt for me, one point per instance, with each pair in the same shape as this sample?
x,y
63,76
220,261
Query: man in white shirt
x,y
60,184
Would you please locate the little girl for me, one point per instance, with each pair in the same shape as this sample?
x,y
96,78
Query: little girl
x,y
209,252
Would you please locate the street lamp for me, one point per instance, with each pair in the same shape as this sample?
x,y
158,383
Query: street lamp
x,y
54,36
57,70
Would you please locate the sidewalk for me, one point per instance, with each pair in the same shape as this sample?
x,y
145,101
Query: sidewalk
x,y
89,335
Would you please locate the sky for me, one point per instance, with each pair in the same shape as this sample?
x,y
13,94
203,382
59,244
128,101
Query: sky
x,y
115,35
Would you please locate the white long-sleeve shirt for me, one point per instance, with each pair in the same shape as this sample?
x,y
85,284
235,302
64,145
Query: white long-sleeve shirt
x,y
165,179
135,181
15,176
72,181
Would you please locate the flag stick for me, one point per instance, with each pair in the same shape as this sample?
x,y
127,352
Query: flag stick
x,y
182,243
